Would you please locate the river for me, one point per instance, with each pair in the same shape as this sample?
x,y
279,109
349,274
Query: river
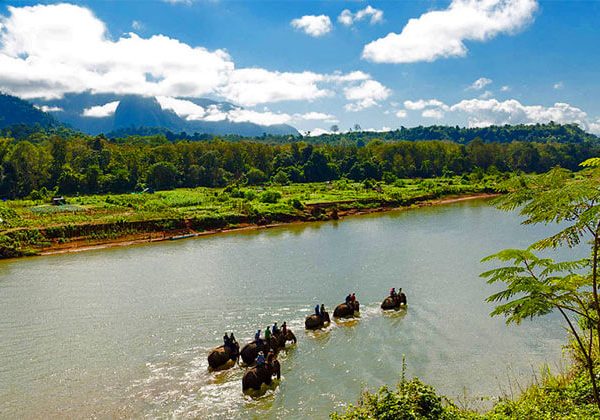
x,y
125,332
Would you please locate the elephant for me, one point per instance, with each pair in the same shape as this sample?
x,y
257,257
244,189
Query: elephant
x,y
393,302
314,321
278,340
220,356
251,350
256,376
346,310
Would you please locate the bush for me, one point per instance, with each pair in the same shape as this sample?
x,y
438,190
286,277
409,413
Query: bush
x,y
270,196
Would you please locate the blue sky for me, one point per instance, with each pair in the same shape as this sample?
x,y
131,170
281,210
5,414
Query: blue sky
x,y
384,64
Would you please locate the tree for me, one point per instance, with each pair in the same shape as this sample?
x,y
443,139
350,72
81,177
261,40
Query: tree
x,y
334,128
162,176
537,286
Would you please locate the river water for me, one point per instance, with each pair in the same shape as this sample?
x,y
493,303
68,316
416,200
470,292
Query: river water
x,y
125,332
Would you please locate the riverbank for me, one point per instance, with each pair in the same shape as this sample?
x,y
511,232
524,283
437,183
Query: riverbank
x,y
102,221
86,244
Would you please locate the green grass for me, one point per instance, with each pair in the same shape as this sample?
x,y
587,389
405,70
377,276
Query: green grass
x,y
210,207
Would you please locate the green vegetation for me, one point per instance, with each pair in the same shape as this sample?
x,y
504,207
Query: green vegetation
x,y
534,286
93,165
32,224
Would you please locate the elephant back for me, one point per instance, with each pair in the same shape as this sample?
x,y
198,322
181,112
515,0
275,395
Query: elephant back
x,y
344,310
390,303
312,322
220,356
250,352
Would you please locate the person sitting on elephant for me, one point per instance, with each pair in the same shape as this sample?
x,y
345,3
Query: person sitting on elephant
x,y
257,338
353,298
402,296
275,329
268,335
348,298
260,359
270,358
226,341
322,310
284,328
393,293
317,310
233,341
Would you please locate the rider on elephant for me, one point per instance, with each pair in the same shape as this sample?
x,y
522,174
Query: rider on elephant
x,y
284,328
257,338
275,329
322,310
260,359
268,335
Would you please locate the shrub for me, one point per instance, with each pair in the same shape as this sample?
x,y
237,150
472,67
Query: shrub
x,y
270,196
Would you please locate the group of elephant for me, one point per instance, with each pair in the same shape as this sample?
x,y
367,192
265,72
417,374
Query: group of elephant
x,y
225,357
321,320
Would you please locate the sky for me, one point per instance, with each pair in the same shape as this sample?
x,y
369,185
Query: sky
x,y
315,64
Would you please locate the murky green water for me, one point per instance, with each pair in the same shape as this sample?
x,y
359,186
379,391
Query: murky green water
x,y
125,332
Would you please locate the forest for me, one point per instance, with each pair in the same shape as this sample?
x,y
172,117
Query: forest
x,y
72,163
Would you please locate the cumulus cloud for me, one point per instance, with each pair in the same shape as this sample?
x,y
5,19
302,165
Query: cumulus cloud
x,y
137,25
47,51
365,95
442,33
594,127
254,86
347,18
425,103
558,85
101,111
401,113
480,83
435,113
482,112
314,26
505,88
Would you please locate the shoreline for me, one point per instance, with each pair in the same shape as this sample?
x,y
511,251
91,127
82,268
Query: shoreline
x,y
81,245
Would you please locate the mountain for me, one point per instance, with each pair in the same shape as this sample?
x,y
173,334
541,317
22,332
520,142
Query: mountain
x,y
135,114
15,111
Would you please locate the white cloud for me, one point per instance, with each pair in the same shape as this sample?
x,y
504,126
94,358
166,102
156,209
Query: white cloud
x,y
594,127
425,103
347,18
101,111
183,108
250,87
137,25
491,111
315,26
186,2
262,118
505,88
47,51
316,116
480,83
558,85
486,95
365,95
441,33
47,108
401,113
435,113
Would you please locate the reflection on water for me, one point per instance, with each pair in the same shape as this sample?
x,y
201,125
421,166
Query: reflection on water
x,y
126,332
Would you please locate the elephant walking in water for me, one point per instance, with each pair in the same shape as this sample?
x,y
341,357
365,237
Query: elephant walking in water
x,y
220,357
346,310
256,376
277,342
314,321
394,302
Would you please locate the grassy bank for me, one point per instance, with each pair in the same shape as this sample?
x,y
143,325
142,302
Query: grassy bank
x,y
563,396
34,225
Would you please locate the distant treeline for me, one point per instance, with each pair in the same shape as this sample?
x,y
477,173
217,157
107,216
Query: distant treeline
x,y
538,133
83,164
